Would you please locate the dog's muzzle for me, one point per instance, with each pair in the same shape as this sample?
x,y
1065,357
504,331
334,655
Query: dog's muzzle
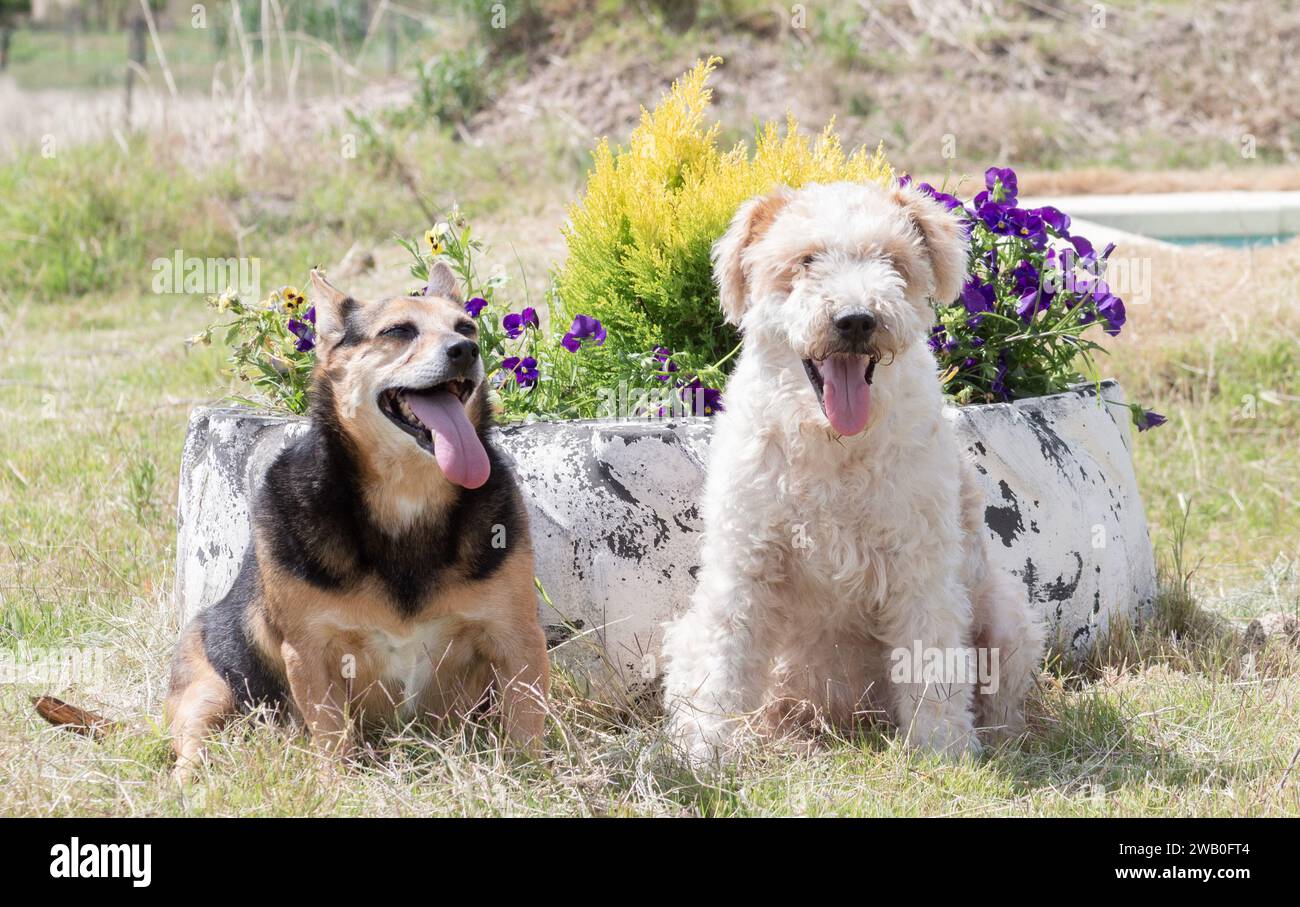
x,y
435,416
854,330
842,383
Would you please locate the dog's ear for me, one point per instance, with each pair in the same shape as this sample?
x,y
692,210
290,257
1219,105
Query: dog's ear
x,y
748,226
943,237
332,306
442,283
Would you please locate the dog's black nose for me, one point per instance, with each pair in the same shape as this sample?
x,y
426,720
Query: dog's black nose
x,y
461,352
855,327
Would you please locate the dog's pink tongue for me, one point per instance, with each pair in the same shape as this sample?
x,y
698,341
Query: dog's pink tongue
x,y
456,445
845,393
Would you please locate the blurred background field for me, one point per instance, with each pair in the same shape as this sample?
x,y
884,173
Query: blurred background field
x,y
310,133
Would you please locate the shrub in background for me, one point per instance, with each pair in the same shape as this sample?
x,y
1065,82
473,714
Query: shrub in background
x,y
640,237
452,86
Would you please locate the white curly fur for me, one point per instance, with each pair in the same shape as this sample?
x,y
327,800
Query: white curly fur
x,y
823,554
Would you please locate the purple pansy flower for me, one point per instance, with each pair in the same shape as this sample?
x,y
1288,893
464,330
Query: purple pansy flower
x,y
1030,304
991,262
1034,296
304,330
703,401
1007,177
940,341
524,370
663,356
995,217
1026,275
978,298
951,202
999,386
475,305
1111,308
1148,418
517,322
1027,225
584,327
526,373
1058,220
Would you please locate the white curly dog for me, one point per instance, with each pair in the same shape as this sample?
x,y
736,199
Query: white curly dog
x,y
844,564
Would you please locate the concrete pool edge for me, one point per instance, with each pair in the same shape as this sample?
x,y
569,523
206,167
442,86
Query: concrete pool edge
x,y
1141,217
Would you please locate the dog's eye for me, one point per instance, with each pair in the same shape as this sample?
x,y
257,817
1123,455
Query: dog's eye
x,y
466,328
399,331
807,261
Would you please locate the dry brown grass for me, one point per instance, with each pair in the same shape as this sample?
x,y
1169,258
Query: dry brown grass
x,y
1162,86
1214,294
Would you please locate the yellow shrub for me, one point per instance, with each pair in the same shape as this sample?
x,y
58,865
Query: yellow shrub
x,y
640,237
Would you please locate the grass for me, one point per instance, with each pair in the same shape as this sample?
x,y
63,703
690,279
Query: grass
x,y
1168,719
94,218
1224,455
1164,739
96,60
1228,376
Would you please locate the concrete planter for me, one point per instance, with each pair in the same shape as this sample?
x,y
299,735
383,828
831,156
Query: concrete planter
x,y
615,522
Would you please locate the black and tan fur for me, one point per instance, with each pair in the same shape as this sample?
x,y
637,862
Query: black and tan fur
x,y
375,590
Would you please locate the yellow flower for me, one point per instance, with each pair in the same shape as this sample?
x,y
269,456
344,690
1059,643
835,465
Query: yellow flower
x,y
434,239
291,299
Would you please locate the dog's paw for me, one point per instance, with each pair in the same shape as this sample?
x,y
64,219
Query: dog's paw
x,y
952,740
694,743
967,746
692,747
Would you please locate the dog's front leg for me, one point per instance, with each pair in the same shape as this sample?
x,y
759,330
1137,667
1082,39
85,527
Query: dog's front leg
x,y
931,679
523,674
318,698
718,660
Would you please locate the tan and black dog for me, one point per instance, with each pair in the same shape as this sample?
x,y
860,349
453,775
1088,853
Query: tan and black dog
x,y
391,572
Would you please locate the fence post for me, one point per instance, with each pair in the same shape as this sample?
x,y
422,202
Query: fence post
x,y
71,25
135,57
390,58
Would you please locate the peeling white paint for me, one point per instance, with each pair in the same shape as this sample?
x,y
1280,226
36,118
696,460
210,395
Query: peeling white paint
x,y
616,528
